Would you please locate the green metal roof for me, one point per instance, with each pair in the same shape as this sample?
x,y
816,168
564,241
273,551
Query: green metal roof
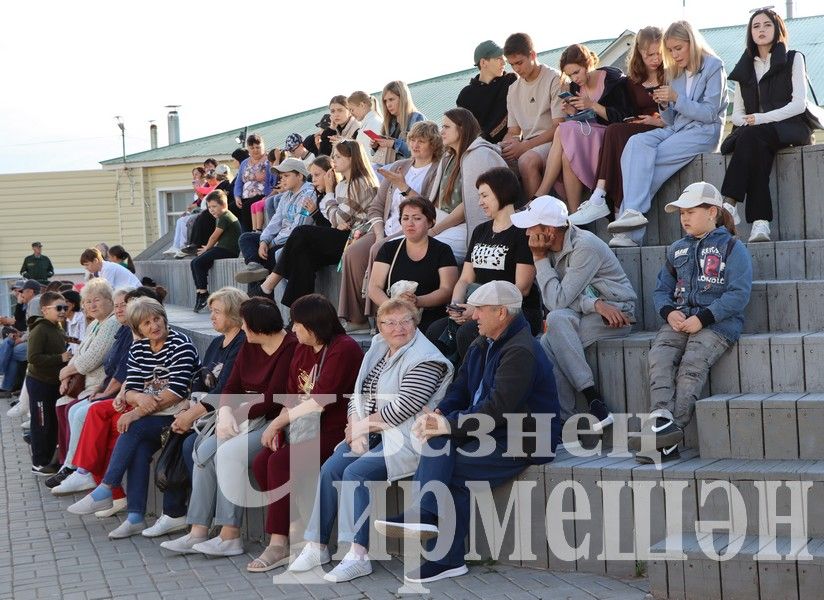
x,y
436,95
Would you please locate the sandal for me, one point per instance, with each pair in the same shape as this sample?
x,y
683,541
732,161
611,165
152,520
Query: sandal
x,y
272,557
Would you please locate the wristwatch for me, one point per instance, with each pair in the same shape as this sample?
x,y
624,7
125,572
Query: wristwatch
x,y
406,193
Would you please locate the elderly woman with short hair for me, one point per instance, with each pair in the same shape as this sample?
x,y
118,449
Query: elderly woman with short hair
x,y
402,373
159,371
98,304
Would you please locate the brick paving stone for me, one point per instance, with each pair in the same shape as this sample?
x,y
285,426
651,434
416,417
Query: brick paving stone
x,y
40,541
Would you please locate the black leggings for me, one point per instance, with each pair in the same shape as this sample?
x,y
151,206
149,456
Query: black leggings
x,y
308,249
748,172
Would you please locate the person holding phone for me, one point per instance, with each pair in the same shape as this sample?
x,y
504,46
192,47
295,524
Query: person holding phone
x,y
587,294
576,145
645,73
399,114
693,104
402,179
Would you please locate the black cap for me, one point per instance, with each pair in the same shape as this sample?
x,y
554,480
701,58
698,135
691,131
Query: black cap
x,y
31,284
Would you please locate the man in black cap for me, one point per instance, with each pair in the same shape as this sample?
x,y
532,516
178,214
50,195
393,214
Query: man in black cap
x,y
14,347
485,96
37,266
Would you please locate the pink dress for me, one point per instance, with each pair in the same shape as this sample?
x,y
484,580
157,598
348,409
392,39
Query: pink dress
x,y
582,144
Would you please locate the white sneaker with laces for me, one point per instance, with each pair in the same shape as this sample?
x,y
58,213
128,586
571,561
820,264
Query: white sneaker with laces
x,y
588,212
310,557
75,483
351,567
631,219
622,240
760,231
165,524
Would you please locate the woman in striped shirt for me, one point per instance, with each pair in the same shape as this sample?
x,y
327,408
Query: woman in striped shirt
x,y
159,372
401,374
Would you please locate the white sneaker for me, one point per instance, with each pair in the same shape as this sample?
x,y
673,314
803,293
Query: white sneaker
x,y
589,212
760,231
127,529
631,219
172,250
75,483
165,524
733,210
309,558
118,505
351,567
21,409
622,240
183,545
217,546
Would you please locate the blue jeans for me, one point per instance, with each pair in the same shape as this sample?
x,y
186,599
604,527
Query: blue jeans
x,y
340,467
11,356
132,455
455,469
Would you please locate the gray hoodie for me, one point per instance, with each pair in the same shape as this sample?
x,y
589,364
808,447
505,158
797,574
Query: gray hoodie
x,y
479,157
585,270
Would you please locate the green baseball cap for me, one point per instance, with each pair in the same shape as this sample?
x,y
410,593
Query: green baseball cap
x,y
487,49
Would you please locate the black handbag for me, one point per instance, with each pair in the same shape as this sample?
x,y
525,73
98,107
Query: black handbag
x,y
171,473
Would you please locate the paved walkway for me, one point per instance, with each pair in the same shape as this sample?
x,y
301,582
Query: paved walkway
x,y
47,553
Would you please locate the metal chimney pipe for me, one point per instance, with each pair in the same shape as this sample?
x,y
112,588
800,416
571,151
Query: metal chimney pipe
x,y
173,121
153,134
790,9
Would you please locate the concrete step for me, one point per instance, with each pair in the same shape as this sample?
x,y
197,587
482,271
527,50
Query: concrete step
x,y
752,426
796,182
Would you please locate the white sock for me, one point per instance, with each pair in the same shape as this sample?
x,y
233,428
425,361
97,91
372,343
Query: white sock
x,y
598,197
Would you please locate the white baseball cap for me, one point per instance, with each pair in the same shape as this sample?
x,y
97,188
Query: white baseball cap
x,y
543,210
696,194
496,293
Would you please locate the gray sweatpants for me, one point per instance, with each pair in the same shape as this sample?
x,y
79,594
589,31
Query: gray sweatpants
x,y
679,364
568,333
207,502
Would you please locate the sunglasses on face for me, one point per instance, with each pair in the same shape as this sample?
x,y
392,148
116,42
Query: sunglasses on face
x,y
59,307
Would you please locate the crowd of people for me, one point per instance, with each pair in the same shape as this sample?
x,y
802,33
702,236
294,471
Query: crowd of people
x,y
467,245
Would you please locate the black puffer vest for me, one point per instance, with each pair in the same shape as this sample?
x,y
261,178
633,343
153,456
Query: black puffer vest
x,y
773,91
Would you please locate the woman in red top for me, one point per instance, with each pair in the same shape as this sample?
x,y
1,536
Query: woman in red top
x,y
326,363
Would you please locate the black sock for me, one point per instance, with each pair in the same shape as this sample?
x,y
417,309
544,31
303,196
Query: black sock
x,y
590,394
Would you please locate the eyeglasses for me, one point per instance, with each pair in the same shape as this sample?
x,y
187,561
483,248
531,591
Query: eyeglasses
x,y
403,323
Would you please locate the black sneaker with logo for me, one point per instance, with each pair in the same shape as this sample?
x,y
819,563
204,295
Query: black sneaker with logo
x,y
666,432
59,477
200,302
44,470
599,410
665,455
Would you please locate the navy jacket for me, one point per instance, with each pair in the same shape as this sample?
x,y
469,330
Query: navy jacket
x,y
514,376
710,277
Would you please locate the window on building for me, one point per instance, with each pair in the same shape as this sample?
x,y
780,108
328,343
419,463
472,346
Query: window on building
x,y
173,203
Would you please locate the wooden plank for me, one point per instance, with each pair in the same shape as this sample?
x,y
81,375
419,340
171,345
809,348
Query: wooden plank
x,y
787,362
790,261
814,258
611,374
712,417
754,363
813,361
789,175
652,259
669,224
756,314
782,303
810,410
780,426
763,260
813,165
724,374
630,259
714,168
746,429
811,305
636,375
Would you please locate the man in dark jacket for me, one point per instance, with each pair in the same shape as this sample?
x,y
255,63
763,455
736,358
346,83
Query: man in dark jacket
x,y
37,265
13,347
485,96
505,372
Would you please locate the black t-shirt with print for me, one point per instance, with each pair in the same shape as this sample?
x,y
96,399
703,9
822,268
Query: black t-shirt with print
x,y
424,271
494,257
